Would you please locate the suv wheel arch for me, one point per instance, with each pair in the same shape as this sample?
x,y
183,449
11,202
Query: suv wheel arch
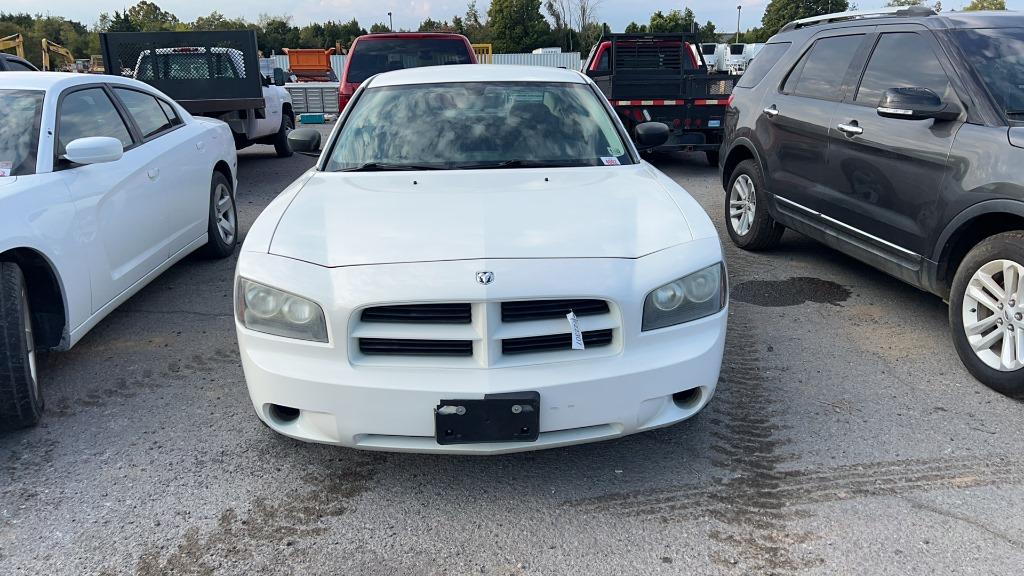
x,y
966,230
742,149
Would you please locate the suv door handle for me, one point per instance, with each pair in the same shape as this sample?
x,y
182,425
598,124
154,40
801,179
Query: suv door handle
x,y
153,173
850,129
771,112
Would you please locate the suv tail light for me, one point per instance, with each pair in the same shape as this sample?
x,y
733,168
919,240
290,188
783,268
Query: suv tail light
x,y
728,103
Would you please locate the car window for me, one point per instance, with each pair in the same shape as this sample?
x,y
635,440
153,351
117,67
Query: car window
x,y
86,113
604,63
821,70
16,66
997,55
464,125
760,66
21,111
375,56
902,60
145,110
171,113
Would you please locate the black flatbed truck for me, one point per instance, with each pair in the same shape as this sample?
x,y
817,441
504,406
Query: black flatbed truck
x,y
664,78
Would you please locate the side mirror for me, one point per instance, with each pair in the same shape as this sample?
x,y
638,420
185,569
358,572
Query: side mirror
x,y
279,77
94,150
305,141
651,135
916,104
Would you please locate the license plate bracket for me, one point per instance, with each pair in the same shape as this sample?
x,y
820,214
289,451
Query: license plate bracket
x,y
510,417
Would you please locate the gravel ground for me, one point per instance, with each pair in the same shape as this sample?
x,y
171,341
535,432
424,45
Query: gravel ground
x,y
846,438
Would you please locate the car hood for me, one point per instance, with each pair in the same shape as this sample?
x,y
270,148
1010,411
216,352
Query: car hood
x,y
349,219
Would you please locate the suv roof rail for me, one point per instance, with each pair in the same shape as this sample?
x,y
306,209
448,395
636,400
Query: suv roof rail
x,y
909,11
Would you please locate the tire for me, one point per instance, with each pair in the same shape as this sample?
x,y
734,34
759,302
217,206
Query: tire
x,y
712,156
281,144
986,326
753,228
222,228
21,400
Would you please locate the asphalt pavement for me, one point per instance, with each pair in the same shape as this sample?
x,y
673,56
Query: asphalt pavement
x,y
845,438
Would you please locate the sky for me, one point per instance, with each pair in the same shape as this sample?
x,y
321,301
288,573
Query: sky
x,y
409,13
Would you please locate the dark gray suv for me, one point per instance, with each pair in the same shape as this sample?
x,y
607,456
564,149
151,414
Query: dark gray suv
x,y
897,138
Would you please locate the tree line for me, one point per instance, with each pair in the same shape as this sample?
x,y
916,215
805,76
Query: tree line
x,y
511,26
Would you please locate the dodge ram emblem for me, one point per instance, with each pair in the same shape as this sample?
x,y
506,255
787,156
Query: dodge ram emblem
x,y
485,278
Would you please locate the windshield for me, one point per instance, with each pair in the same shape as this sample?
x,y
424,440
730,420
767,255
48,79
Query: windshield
x,y
375,56
737,49
478,125
998,57
708,49
21,111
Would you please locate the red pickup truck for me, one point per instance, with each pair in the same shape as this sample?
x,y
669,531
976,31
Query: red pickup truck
x,y
376,53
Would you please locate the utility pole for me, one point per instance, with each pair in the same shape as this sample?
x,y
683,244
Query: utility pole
x,y
391,22
739,10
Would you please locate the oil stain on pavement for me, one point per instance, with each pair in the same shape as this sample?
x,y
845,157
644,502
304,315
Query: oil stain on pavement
x,y
789,292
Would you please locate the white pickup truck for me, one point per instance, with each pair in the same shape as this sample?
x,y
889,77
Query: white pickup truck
x,y
266,120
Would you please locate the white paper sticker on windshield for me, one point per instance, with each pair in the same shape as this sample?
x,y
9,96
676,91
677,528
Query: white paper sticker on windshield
x,y
6,168
577,335
610,161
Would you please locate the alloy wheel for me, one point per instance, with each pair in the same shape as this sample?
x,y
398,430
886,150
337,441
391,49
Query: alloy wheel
x,y
993,315
225,213
30,343
742,205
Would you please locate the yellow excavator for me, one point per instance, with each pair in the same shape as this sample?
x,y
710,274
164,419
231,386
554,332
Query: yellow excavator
x,y
69,58
13,41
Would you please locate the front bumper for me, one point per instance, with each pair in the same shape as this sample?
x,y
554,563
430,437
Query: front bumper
x,y
344,401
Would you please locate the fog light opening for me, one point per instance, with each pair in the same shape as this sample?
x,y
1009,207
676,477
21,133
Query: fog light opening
x,y
283,414
687,398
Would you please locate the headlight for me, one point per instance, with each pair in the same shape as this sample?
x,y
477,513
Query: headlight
x,y
265,309
689,298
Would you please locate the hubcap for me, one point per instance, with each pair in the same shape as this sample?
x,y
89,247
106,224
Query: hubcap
x,y
993,314
742,205
30,342
225,215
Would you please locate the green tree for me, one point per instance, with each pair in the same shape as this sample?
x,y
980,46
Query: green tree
x,y
277,32
782,12
634,28
148,17
673,22
379,28
708,32
517,25
986,5
477,30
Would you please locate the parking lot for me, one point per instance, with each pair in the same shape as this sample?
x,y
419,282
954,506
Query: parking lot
x,y
845,437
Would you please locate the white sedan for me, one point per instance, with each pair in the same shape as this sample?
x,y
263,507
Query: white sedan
x,y
480,262
104,184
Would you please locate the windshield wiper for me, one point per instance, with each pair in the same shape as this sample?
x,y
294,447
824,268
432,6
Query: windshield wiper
x,y
385,167
525,164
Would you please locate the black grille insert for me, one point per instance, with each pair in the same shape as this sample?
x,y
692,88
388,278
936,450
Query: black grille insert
x,y
551,342
544,309
403,347
458,313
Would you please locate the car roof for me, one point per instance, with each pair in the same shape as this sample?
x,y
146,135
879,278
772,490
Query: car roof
x,y
400,35
56,81
941,21
476,73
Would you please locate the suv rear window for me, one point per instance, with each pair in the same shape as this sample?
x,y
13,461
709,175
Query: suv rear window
x,y
760,66
375,56
821,70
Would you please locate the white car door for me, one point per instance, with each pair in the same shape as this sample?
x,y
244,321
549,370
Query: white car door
x,y
119,204
179,158
271,123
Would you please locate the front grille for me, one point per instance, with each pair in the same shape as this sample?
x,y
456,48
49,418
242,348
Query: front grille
x,y
525,310
552,342
409,347
482,334
458,313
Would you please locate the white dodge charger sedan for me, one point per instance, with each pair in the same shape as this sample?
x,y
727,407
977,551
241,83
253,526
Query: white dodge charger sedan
x,y
479,262
104,184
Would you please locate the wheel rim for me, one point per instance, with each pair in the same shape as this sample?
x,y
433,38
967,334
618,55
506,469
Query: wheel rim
x,y
993,314
742,205
30,343
225,214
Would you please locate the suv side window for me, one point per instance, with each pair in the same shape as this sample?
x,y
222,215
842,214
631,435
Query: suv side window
x,y
820,71
146,110
89,112
902,60
16,66
759,67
